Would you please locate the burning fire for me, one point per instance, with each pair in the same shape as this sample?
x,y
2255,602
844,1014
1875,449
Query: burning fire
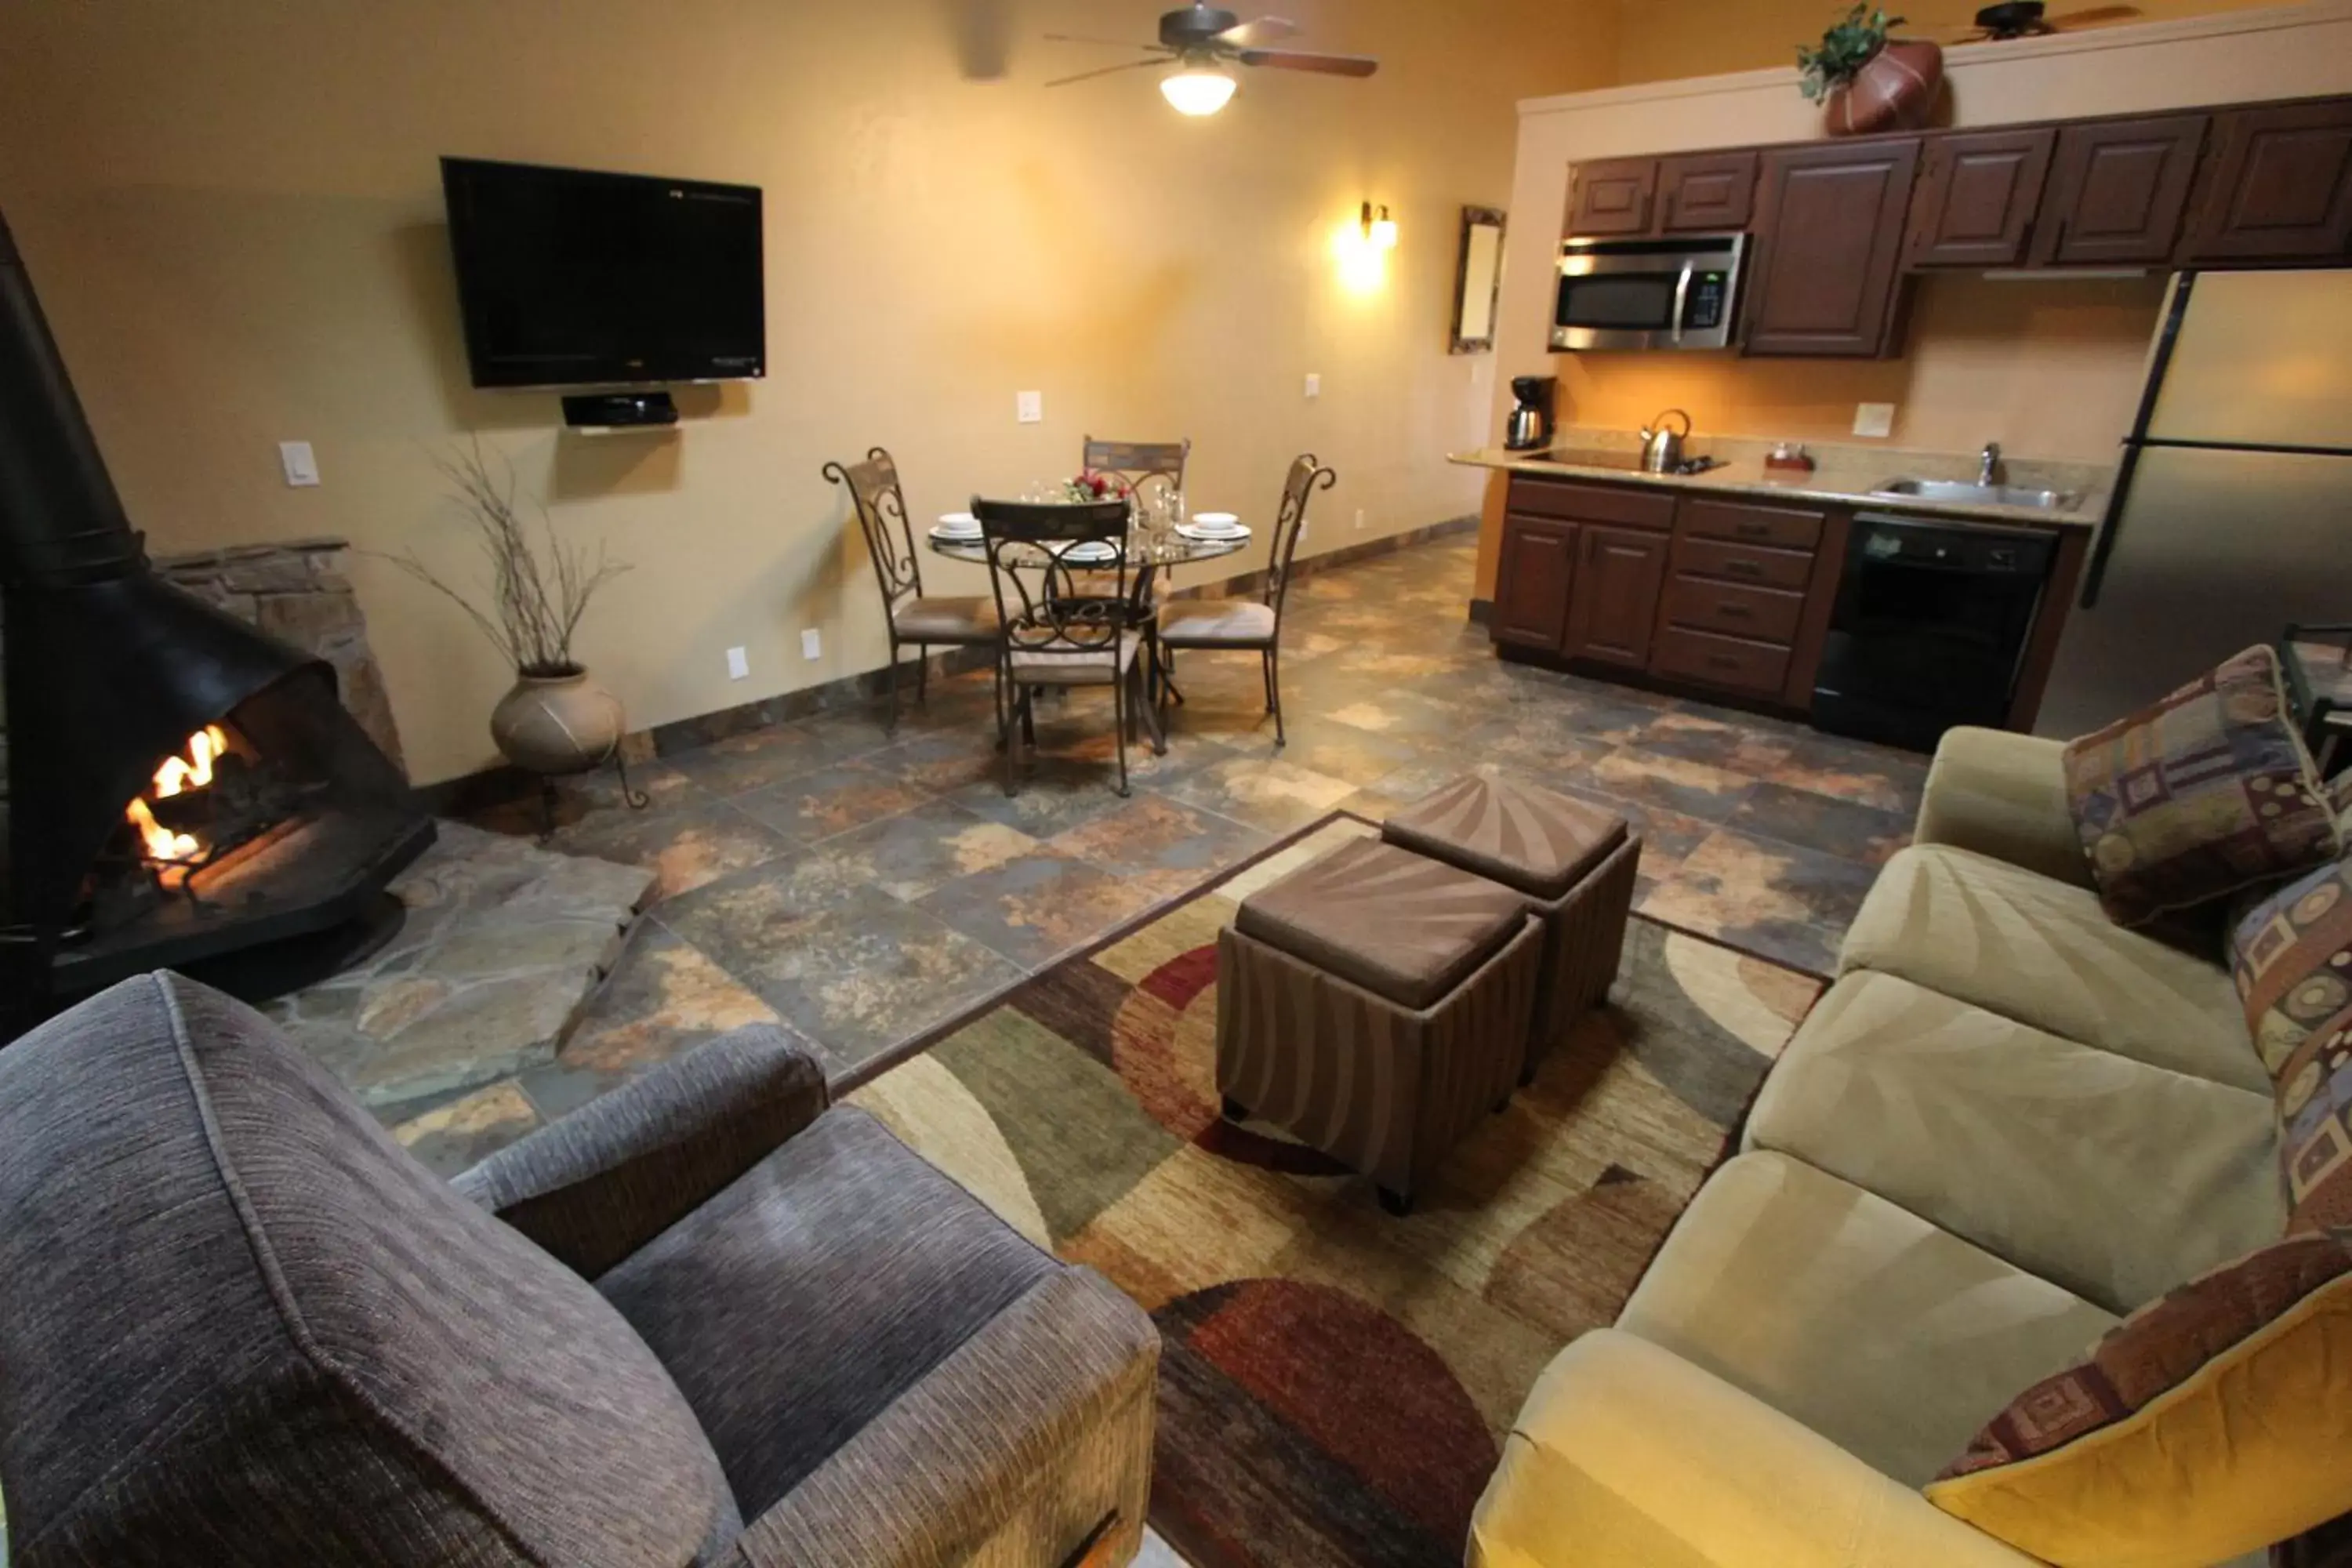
x,y
178,774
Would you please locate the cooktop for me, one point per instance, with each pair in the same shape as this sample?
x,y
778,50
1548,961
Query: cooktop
x,y
1628,462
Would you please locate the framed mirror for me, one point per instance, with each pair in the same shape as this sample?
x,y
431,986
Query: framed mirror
x,y
1478,281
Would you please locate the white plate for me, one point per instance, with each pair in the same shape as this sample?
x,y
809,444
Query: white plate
x,y
947,535
1218,520
1213,535
958,519
1085,554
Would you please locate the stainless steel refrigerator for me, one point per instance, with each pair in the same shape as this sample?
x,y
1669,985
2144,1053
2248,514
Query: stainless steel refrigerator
x,y
2232,513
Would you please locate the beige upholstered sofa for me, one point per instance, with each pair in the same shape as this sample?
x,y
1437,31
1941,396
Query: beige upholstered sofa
x,y
2008,1123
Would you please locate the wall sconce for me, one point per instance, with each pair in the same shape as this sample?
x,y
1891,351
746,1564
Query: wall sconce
x,y
1380,232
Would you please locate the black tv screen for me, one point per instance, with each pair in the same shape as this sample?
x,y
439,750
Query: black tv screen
x,y
567,277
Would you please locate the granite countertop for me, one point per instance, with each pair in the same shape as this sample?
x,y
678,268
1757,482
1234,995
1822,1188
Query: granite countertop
x,y
1842,474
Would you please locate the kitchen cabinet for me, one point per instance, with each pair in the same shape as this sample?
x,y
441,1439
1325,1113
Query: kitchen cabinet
x,y
1613,602
2118,189
1613,196
1978,193
2281,187
1830,229
1706,193
1532,581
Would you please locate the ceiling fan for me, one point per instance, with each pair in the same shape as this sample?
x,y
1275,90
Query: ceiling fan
x,y
1199,40
2024,19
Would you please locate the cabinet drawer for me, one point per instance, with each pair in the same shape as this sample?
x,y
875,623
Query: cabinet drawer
x,y
1768,614
1733,663
1759,566
1591,503
1776,525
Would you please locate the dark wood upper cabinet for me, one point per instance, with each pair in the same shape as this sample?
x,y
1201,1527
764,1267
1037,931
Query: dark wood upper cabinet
x,y
2281,187
2117,191
1615,195
1829,227
1537,564
1706,192
1613,604
1978,193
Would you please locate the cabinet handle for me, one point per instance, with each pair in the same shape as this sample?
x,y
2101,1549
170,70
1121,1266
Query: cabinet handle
x,y
1722,661
1742,569
1736,612
1754,531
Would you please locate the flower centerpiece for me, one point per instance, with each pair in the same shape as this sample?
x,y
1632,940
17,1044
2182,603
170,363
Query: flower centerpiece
x,y
1092,485
1866,81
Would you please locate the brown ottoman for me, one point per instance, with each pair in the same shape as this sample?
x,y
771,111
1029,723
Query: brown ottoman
x,y
1573,863
1375,1004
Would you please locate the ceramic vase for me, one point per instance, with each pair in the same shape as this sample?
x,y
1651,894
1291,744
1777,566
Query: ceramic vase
x,y
1895,90
556,724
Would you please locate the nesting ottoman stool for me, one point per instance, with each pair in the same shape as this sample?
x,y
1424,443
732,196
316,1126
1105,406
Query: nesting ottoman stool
x,y
1375,1004
1572,863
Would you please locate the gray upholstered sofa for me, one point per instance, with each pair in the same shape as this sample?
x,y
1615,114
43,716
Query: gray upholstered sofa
x,y
705,1319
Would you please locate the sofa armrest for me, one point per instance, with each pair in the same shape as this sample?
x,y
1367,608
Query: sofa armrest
x,y
2004,795
593,1186
1626,1455
1030,1442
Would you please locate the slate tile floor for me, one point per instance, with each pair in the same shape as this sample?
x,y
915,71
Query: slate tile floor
x,y
858,887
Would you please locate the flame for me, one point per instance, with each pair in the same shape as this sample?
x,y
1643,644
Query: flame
x,y
205,747
163,844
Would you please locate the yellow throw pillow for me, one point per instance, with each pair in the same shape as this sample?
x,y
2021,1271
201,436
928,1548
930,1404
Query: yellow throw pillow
x,y
2213,1422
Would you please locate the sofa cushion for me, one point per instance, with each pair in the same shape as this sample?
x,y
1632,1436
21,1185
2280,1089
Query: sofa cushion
x,y
2109,1177
2197,796
238,1324
2003,794
1889,1337
1403,927
2212,1422
800,1303
1522,837
2041,952
2294,953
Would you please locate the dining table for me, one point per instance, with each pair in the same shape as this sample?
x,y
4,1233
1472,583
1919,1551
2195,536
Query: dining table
x,y
1149,553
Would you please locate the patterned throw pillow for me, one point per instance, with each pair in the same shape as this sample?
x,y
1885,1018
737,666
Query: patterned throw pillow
x,y
2207,791
2211,1423
2292,962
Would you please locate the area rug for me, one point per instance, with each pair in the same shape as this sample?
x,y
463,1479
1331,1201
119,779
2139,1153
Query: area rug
x,y
1336,1383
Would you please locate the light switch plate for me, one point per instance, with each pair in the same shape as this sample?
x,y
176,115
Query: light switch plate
x,y
301,465
1874,419
739,663
1029,408
812,644
1314,385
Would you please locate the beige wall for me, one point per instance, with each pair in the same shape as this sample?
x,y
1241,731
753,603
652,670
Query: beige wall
x,y
2046,368
1676,39
232,213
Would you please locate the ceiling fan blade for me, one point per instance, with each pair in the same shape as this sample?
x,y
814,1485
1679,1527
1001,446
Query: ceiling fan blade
x,y
1254,35
2096,17
1106,42
1299,60
1105,70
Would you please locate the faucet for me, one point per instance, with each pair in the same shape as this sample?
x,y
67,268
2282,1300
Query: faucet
x,y
1989,472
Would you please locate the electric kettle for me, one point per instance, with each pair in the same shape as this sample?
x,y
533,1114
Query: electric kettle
x,y
1661,449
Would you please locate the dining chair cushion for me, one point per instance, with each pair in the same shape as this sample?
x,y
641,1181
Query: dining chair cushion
x,y
1075,667
945,620
1217,623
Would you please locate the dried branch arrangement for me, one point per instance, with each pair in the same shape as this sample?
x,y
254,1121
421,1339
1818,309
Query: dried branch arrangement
x,y
537,596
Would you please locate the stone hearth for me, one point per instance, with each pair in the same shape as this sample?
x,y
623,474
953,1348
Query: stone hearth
x,y
503,943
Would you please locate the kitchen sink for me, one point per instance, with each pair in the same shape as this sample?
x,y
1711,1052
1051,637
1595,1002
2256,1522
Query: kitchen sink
x,y
1980,495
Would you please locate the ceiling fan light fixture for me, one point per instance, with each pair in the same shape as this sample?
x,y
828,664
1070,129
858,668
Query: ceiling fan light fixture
x,y
1197,89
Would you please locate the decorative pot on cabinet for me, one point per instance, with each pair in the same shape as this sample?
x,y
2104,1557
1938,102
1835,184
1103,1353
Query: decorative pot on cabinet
x,y
556,723
1895,90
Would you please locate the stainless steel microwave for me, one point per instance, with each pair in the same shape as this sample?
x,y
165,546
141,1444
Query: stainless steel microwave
x,y
1679,293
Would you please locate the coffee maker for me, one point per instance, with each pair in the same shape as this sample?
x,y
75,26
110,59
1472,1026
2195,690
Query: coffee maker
x,y
1528,427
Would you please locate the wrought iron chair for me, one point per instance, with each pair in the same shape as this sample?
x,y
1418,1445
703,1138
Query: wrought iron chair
x,y
1145,465
1052,634
914,619
1255,624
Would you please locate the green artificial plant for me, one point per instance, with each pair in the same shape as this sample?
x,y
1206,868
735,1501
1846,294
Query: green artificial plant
x,y
1844,49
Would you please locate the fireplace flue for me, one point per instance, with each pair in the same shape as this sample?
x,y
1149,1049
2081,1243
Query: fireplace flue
x,y
182,786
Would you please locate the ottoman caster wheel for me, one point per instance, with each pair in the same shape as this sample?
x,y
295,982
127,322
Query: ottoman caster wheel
x,y
1234,1108
1397,1204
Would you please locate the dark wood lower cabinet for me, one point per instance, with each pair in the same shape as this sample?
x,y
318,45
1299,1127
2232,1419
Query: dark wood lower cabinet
x,y
1613,602
1537,564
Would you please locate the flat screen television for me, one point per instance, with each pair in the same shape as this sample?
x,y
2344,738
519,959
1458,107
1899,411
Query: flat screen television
x,y
567,277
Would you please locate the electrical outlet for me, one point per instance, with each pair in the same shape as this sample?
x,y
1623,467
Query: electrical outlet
x,y
1360,520
812,644
1314,385
739,663
301,465
1874,419
1029,408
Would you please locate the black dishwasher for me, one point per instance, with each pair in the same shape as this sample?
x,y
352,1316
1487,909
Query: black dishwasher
x,y
1929,627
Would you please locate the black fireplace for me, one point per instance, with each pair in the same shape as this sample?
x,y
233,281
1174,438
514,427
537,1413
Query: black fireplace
x,y
184,790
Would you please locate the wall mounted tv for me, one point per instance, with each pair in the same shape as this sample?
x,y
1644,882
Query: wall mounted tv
x,y
570,278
